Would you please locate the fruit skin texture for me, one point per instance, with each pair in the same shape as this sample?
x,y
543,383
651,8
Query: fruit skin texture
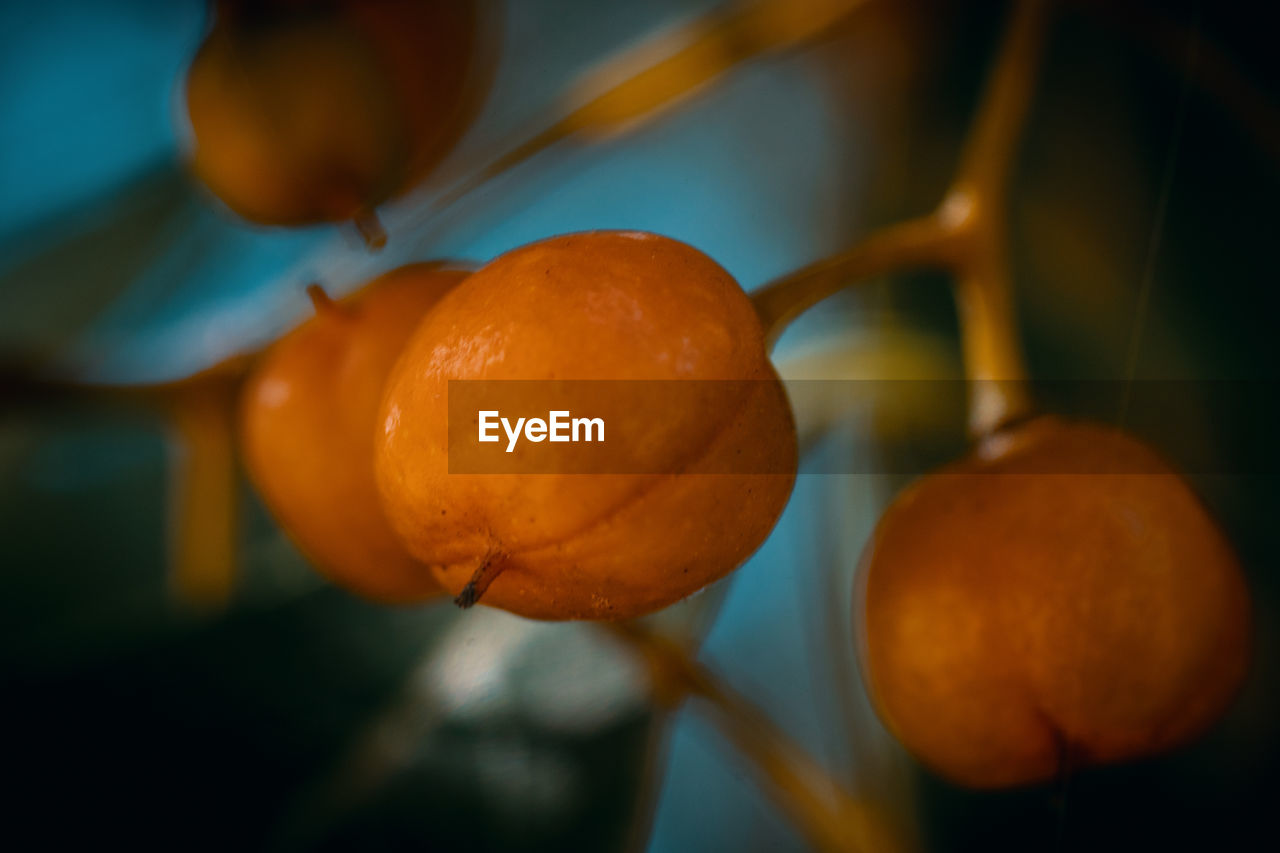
x,y
602,305
307,426
1016,616
313,112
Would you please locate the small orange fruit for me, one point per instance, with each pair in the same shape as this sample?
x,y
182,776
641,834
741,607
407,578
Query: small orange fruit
x,y
612,306
315,112
1059,598
307,428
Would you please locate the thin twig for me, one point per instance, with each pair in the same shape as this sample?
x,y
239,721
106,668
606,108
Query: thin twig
x,y
661,72
967,234
204,501
1146,282
994,363
830,817
990,151
486,573
916,243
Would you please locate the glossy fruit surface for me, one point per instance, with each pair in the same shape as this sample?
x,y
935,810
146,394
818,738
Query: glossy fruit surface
x,y
307,427
313,112
595,306
1059,598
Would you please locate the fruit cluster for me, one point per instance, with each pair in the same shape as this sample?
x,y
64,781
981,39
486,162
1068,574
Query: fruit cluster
x,y
1058,597
345,430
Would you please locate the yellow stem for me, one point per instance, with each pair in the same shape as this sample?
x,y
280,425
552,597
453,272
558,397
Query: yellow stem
x,y
663,71
370,229
917,243
977,203
967,234
204,503
831,818
991,148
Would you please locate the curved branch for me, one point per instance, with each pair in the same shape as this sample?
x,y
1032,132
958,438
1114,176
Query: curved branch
x,y
917,243
829,816
990,150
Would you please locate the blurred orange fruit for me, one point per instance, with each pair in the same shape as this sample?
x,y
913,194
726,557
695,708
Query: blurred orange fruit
x,y
314,112
1057,599
307,427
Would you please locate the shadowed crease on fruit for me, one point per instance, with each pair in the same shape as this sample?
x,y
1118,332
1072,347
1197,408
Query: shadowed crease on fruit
x,y
1059,598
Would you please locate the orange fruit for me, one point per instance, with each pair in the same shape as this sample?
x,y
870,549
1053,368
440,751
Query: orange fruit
x,y
1059,598
314,112
715,462
307,425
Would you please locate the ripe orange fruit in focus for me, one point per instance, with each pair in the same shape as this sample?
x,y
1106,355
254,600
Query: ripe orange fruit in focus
x,y
594,306
307,427
311,112
1057,599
